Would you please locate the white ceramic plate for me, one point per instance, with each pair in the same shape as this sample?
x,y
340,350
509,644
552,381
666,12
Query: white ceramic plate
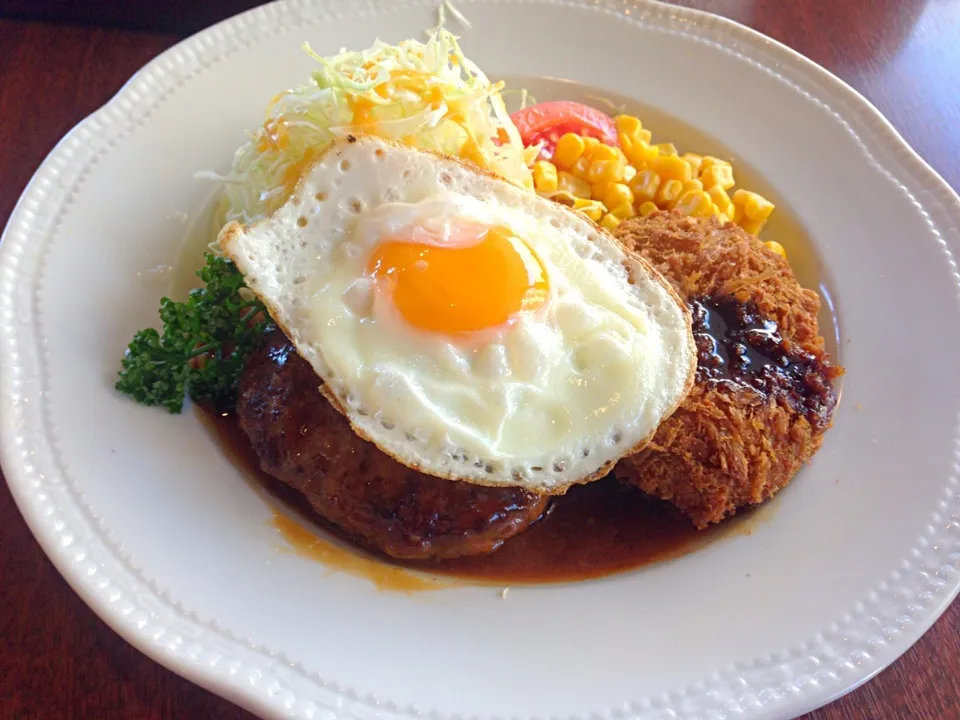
x,y
151,525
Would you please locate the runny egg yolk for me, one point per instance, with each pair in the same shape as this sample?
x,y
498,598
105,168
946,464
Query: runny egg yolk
x,y
455,289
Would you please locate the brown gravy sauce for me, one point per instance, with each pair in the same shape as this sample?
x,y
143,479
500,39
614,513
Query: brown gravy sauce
x,y
298,524
737,346
594,530
385,575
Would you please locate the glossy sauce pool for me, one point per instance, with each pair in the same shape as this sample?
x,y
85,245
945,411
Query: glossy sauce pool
x,y
592,531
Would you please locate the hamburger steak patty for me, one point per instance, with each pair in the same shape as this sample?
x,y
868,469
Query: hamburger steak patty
x,y
303,441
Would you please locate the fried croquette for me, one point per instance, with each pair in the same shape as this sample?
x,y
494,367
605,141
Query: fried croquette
x,y
763,395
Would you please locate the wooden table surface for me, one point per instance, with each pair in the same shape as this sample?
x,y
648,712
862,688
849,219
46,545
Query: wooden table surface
x,y
57,660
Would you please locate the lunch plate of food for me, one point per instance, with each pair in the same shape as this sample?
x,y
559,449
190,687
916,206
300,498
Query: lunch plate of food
x,y
519,359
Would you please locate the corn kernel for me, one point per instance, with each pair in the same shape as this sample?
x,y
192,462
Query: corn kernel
x,y
737,216
573,185
694,161
617,194
777,248
721,216
641,154
709,161
628,124
580,167
624,211
630,130
590,144
545,176
626,144
695,204
751,226
598,190
645,185
669,193
604,152
670,167
591,208
717,174
603,170
693,186
721,200
594,213
667,149
581,203
647,208
629,172
569,149
609,222
755,207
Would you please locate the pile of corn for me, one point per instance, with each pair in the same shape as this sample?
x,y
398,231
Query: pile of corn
x,y
611,184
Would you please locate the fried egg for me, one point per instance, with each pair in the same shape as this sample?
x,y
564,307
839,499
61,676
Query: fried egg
x,y
469,328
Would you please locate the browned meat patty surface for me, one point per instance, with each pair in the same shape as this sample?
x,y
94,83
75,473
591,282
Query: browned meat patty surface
x,y
304,442
763,395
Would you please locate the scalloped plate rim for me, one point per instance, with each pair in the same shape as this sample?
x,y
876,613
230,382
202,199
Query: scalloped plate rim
x,y
948,200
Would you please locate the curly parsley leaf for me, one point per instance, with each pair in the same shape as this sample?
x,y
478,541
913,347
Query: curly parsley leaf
x,y
203,347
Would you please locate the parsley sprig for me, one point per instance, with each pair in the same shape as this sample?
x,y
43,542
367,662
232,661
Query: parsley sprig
x,y
203,347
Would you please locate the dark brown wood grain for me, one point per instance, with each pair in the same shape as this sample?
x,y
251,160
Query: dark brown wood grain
x,y
57,660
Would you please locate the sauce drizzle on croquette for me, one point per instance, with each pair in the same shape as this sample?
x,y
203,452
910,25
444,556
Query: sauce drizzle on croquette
x,y
736,344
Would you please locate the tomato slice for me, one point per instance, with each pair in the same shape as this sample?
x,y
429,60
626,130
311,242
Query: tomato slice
x,y
548,121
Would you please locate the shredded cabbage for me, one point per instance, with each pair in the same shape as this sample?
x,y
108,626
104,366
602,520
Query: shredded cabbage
x,y
426,94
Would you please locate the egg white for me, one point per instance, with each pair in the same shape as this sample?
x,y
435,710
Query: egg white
x,y
552,399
